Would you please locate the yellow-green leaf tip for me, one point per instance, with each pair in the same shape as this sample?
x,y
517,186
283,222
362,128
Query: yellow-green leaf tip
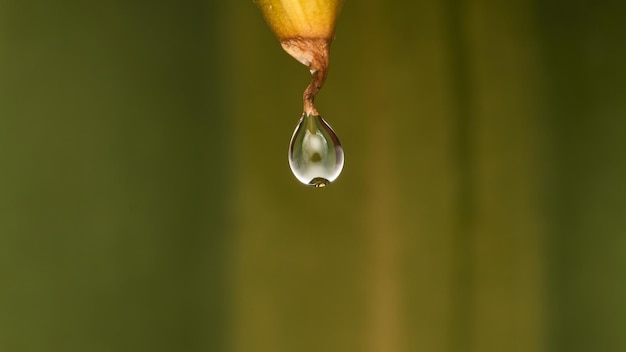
x,y
290,19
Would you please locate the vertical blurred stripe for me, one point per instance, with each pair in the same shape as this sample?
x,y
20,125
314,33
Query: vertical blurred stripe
x,y
113,228
508,302
584,115
384,229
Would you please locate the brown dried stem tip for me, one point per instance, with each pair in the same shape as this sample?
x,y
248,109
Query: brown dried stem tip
x,y
305,29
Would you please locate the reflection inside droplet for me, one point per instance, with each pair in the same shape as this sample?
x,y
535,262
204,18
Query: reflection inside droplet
x,y
315,154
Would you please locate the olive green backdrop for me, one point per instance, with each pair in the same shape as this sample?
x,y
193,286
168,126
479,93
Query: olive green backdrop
x,y
146,203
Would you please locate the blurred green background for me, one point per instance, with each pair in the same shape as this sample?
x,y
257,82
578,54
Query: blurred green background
x,y
146,203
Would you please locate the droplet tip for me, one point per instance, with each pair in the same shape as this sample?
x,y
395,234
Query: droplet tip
x,y
319,182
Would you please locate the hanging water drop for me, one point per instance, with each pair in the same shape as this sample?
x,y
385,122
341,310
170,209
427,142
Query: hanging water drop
x,y
315,154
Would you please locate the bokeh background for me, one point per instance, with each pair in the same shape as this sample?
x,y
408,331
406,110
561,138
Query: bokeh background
x,y
146,203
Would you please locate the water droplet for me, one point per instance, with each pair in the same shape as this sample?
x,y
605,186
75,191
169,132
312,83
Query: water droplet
x,y
315,154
